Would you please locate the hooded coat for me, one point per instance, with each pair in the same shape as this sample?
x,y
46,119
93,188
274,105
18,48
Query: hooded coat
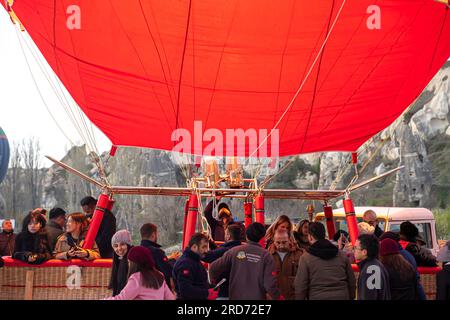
x,y
324,273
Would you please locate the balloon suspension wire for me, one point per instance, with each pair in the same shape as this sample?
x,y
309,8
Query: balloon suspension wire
x,y
291,103
87,134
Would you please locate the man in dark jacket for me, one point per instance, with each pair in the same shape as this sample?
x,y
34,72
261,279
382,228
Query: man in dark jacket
x,y
371,218
149,239
251,268
373,281
233,238
107,227
218,226
411,241
324,272
443,277
55,226
409,257
7,238
190,277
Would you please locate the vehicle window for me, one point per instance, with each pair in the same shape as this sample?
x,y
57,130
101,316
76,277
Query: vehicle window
x,y
424,231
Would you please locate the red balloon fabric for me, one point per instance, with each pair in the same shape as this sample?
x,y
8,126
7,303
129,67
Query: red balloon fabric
x,y
141,69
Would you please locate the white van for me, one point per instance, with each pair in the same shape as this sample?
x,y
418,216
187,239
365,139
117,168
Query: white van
x,y
390,218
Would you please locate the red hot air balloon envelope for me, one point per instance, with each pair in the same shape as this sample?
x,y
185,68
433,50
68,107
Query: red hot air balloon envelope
x,y
140,69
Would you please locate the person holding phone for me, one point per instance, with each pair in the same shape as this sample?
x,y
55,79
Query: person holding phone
x,y
70,244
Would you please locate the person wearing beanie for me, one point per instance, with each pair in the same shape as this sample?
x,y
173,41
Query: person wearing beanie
x,y
411,241
121,244
324,272
145,282
218,226
189,275
251,268
55,225
373,280
443,276
408,257
402,276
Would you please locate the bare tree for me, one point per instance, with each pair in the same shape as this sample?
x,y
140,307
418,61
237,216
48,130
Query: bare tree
x,y
30,152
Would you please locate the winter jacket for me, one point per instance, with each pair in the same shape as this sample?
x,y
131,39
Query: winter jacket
x,y
65,242
27,244
213,255
105,232
252,272
54,230
324,273
423,256
402,289
163,264
373,281
286,270
7,240
217,226
409,257
190,277
443,283
134,290
119,273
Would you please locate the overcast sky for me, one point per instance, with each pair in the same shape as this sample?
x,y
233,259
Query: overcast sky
x,y
22,112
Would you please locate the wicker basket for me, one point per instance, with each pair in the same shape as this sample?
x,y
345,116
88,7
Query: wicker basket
x,y
50,283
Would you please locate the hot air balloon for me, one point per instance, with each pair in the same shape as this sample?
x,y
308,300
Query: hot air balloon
x,y
315,75
4,154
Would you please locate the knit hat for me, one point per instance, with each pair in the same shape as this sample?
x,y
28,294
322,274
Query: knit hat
x,y
255,232
444,253
388,246
121,236
390,235
142,256
56,212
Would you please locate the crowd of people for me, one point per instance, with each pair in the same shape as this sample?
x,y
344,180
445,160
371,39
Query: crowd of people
x,y
257,262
